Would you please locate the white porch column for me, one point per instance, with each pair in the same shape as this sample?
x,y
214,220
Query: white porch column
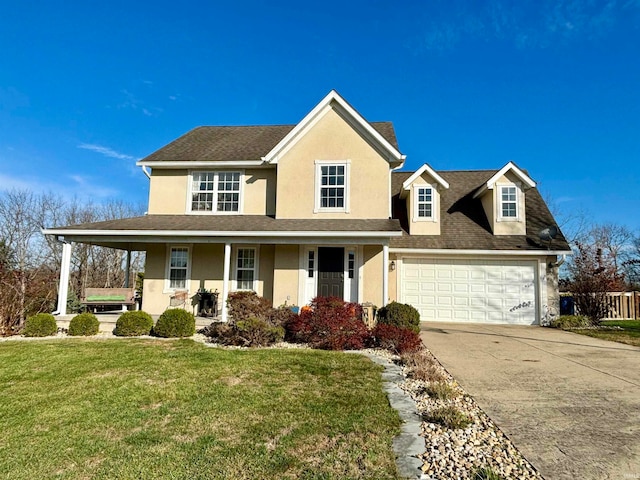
x,y
128,270
385,274
63,286
225,279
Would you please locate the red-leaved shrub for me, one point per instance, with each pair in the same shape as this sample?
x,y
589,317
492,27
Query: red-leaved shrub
x,y
331,324
395,339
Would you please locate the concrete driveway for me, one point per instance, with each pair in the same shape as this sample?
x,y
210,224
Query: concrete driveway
x,y
570,403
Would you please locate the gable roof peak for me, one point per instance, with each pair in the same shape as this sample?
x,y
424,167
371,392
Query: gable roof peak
x,y
334,100
424,168
509,167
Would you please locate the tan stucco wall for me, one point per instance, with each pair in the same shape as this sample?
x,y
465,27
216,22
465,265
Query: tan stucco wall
x,y
265,273
491,205
331,138
424,227
553,293
393,278
168,191
285,275
372,275
153,300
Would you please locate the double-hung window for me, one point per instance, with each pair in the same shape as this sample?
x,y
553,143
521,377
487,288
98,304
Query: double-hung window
x,y
332,186
178,267
424,204
217,192
246,268
508,202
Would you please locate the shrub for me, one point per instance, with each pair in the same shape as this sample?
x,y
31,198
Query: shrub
x,y
422,367
441,391
281,316
175,322
395,339
246,305
331,324
400,315
134,323
449,417
570,321
84,324
40,325
258,333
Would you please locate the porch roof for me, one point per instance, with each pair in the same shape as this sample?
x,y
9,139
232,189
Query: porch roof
x,y
132,233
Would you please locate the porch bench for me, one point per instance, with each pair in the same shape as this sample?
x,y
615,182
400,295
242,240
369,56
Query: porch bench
x,y
109,296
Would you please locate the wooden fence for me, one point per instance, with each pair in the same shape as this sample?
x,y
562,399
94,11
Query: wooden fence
x,y
623,305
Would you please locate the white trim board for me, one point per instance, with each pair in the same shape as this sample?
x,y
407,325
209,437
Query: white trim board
x,y
509,253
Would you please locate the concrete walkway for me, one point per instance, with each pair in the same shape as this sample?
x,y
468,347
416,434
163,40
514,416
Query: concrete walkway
x,y
570,403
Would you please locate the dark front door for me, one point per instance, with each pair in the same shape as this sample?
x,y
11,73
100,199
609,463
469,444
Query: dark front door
x,y
330,272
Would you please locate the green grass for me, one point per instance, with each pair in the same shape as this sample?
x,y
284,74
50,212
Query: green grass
x,y
134,408
630,333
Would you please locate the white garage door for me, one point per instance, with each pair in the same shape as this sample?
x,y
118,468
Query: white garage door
x,y
482,291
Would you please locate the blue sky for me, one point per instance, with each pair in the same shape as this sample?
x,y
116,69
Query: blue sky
x,y
87,88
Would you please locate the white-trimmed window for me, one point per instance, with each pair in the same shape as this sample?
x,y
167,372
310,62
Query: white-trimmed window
x,y
424,203
246,263
508,202
217,192
178,268
332,186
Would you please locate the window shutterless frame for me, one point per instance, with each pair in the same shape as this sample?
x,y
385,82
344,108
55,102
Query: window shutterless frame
x,y
215,192
178,268
424,203
332,186
508,202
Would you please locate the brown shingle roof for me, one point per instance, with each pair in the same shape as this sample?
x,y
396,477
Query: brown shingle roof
x,y
236,223
464,224
236,143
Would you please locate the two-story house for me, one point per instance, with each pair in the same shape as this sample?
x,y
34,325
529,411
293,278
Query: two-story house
x,y
322,208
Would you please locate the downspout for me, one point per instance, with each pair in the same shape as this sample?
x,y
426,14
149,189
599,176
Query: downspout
x,y
146,172
559,262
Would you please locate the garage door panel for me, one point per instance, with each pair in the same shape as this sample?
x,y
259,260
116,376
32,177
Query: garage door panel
x,y
473,290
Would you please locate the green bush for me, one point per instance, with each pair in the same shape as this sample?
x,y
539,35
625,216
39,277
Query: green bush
x,y
40,325
134,323
84,324
570,321
449,417
175,322
400,315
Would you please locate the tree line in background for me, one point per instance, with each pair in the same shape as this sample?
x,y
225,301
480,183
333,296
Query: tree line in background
x,y
30,262
606,258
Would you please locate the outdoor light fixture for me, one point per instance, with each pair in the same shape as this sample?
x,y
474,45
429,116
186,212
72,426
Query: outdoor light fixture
x,y
392,266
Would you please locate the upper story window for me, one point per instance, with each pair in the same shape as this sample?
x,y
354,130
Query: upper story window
x,y
424,203
215,192
332,186
509,202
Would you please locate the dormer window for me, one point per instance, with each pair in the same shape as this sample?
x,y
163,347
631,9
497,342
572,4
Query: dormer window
x,y
332,186
215,192
425,202
509,202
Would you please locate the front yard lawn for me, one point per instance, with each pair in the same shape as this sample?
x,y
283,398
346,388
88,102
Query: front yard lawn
x,y
629,334
132,409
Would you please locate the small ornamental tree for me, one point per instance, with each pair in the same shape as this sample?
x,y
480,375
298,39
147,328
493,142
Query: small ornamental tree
x,y
593,275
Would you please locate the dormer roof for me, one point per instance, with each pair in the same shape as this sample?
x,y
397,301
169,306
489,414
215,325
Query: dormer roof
x,y
509,167
406,185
